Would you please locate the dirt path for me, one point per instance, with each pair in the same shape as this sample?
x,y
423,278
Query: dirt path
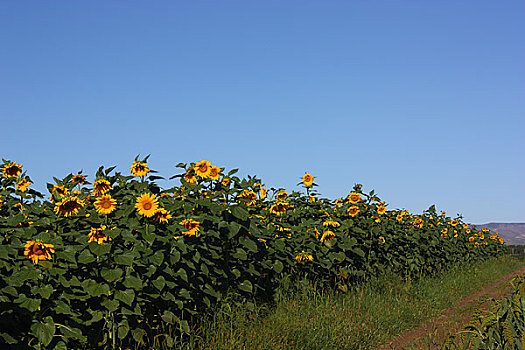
x,y
433,333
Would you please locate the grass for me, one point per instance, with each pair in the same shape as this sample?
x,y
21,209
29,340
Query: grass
x,y
362,318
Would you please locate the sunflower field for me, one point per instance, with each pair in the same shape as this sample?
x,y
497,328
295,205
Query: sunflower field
x,y
121,262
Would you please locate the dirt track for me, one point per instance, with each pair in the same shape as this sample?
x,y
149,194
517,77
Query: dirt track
x,y
434,332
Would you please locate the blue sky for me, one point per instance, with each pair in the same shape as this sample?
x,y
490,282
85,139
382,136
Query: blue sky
x,y
423,101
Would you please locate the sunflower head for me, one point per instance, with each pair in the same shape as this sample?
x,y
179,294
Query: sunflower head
x,y
105,204
303,257
22,185
354,197
147,204
191,225
248,197
203,169
69,206
280,207
381,240
37,251
308,180
263,193
215,172
338,202
281,195
79,179
353,211
226,182
162,215
381,210
97,235
100,187
139,169
328,235
12,170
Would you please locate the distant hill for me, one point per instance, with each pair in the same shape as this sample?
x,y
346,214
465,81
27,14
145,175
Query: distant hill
x,y
512,234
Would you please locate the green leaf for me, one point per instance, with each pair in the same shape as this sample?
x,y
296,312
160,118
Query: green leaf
x,y
138,334
168,317
111,275
123,329
44,331
85,257
240,254
8,339
111,305
60,346
157,258
159,283
31,304
132,282
126,296
246,286
239,212
126,258
45,291
182,273
248,243
99,249
278,266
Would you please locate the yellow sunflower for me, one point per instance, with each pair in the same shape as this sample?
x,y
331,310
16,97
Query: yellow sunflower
x,y
203,169
454,222
280,207
248,197
139,169
101,187
69,206
338,202
190,178
381,210
354,197
262,193
191,225
61,190
162,215
97,235
22,185
381,240
281,195
328,235
308,180
304,256
147,204
37,251
353,211
105,204
418,222
226,182
12,170
331,223
81,179
215,172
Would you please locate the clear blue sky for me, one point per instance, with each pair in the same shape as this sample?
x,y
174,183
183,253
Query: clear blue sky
x,y
423,101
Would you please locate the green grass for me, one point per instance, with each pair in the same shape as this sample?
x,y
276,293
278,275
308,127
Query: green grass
x,y
362,318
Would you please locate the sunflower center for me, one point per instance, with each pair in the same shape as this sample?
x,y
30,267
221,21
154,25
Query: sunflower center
x,y
106,204
147,206
37,249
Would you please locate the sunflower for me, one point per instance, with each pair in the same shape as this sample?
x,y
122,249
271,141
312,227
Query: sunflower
x,y
304,256
139,169
81,179
100,187
338,202
308,180
248,197
328,235
454,222
226,182
444,231
37,251
98,236
203,169
215,173
61,190
331,223
418,222
12,170
147,204
69,206
312,199
281,195
399,217
105,204
280,207
262,193
353,211
190,178
191,225
354,197
381,240
22,185
381,210
162,215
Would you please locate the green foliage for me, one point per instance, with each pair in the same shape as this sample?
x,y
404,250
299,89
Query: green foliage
x,y
76,276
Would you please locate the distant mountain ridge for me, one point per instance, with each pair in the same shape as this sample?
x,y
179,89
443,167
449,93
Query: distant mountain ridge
x,y
512,233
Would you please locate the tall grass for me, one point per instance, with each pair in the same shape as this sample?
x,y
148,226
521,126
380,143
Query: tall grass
x,y
367,315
